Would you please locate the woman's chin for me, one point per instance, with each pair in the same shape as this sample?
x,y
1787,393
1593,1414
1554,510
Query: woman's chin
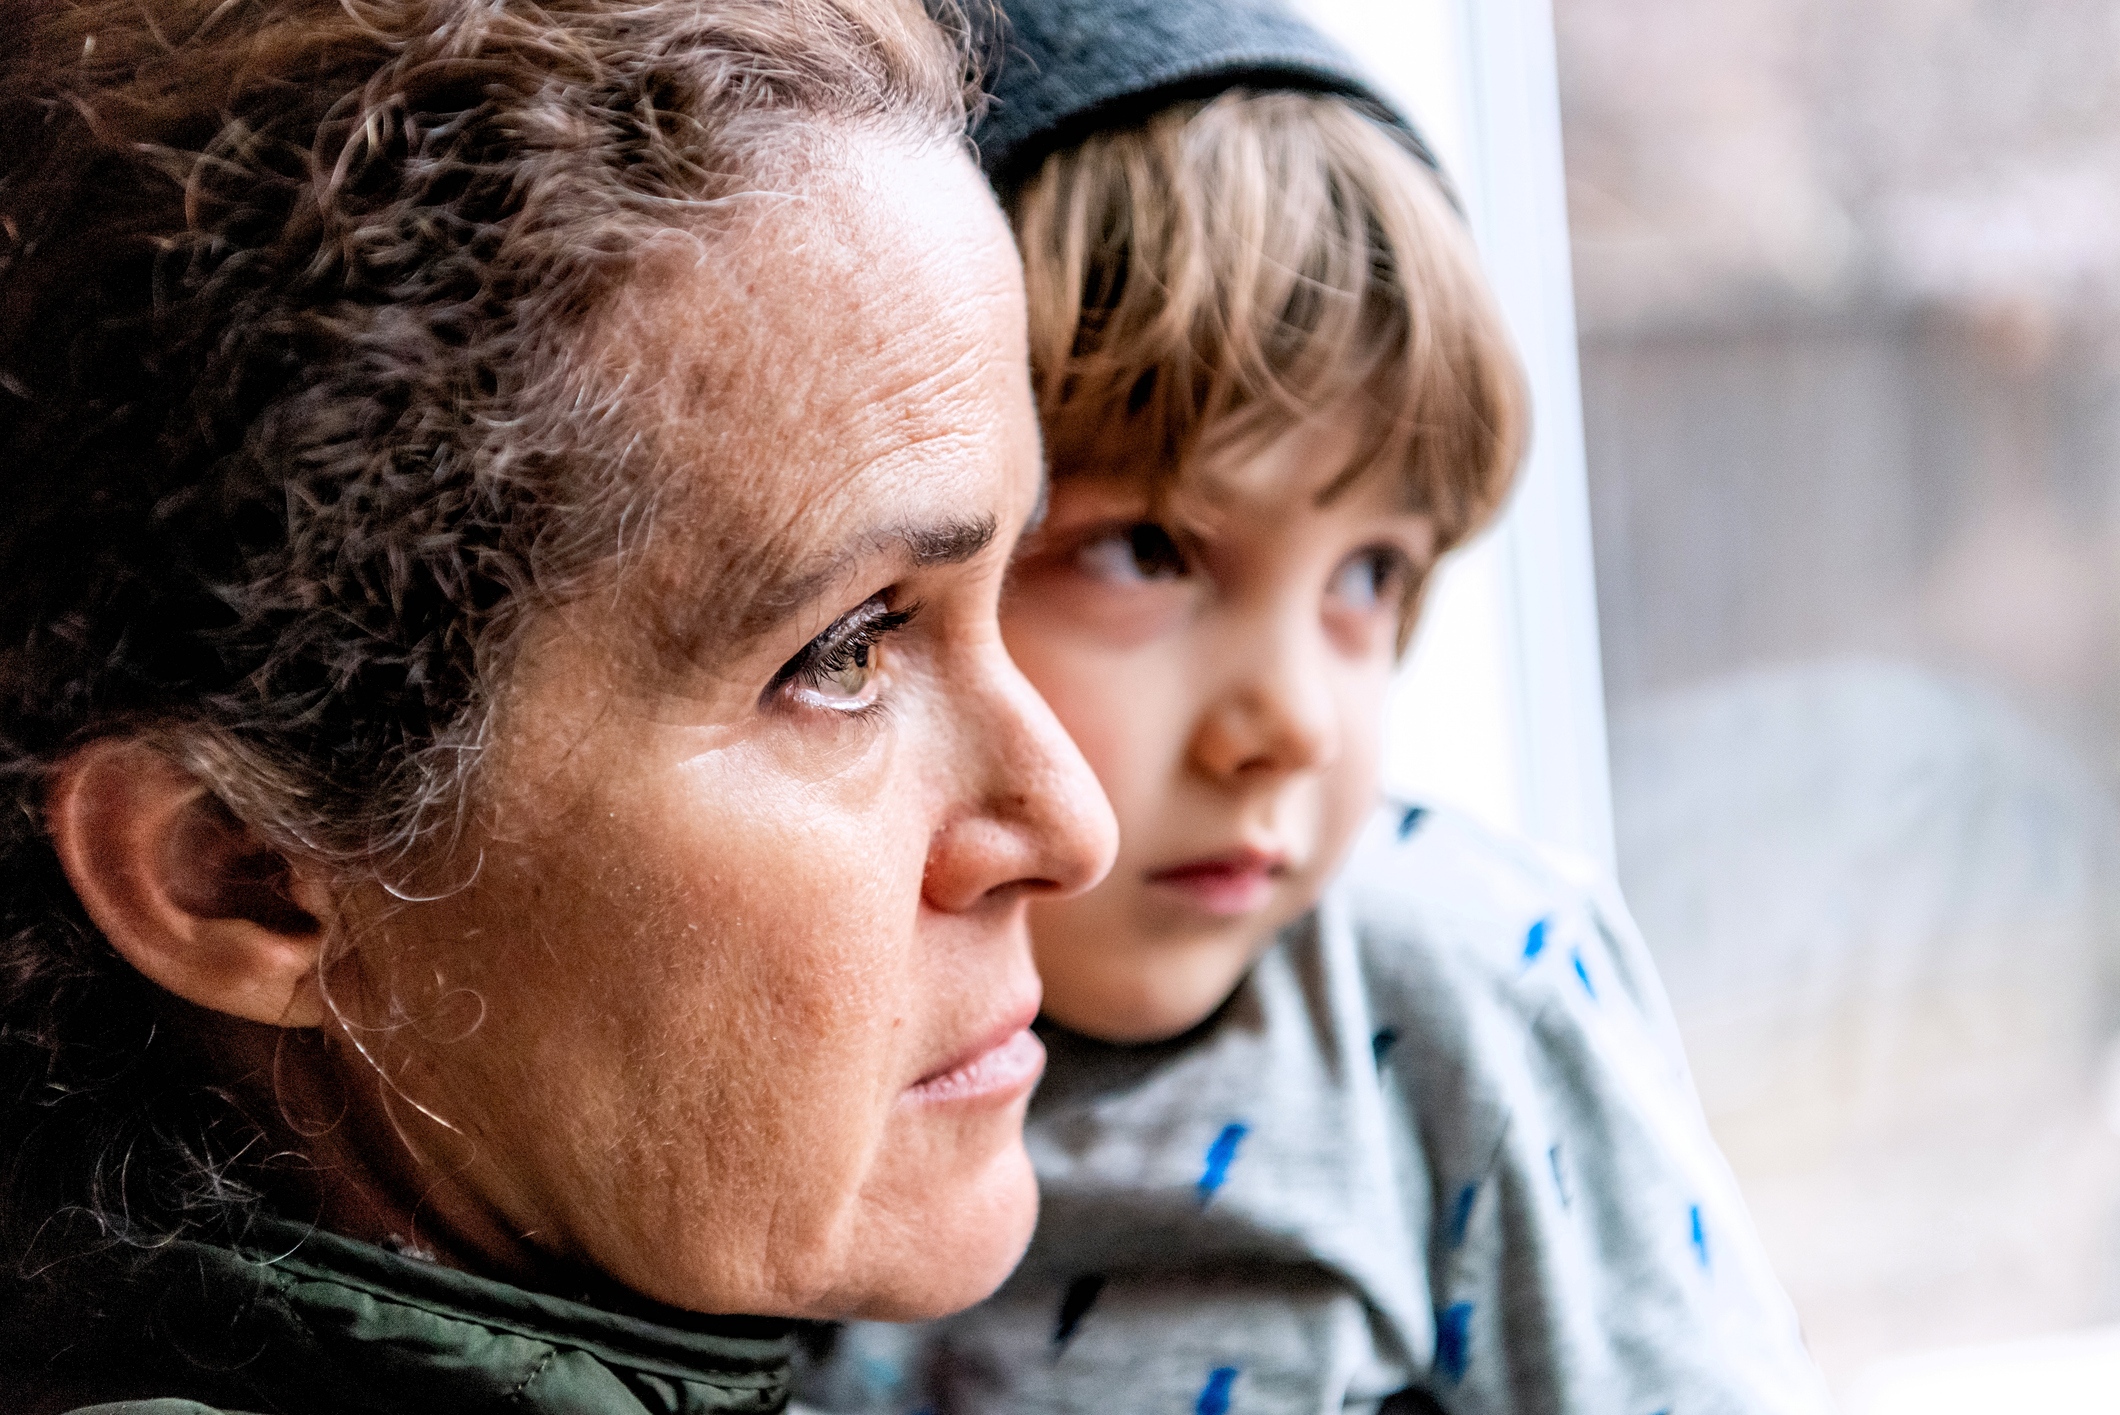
x,y
951,1243
933,1222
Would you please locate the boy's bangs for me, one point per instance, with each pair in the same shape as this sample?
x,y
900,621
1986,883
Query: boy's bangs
x,y
1204,282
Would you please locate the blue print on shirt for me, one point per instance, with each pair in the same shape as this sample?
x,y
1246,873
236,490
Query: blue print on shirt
x,y
1453,1333
1560,1178
1214,1396
1219,1155
1583,973
880,1374
1411,821
1381,1044
1081,1295
1700,1237
1535,941
1462,1214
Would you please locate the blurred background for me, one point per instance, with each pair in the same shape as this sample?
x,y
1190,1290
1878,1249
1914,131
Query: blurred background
x,y
1847,289
1805,615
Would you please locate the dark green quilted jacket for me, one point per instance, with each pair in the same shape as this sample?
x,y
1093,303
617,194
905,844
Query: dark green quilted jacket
x,y
294,1322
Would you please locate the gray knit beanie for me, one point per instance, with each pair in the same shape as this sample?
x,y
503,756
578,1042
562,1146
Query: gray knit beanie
x,y
1061,69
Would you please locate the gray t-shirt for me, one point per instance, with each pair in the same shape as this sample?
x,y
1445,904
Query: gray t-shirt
x,y
1439,1151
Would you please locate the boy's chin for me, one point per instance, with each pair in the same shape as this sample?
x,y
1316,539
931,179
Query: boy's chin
x,y
1134,992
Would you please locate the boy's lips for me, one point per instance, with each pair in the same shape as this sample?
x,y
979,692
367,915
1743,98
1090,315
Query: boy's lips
x,y
1236,882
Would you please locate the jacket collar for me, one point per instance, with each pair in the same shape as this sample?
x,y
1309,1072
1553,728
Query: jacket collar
x,y
301,1319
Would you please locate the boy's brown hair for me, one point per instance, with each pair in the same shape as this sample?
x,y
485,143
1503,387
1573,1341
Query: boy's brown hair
x,y
1228,269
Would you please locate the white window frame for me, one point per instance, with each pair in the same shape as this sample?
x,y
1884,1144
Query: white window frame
x,y
1501,709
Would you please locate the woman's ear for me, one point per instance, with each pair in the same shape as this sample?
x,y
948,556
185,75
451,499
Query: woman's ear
x,y
186,893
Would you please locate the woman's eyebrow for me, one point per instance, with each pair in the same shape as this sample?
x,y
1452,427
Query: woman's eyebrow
x,y
951,543
780,595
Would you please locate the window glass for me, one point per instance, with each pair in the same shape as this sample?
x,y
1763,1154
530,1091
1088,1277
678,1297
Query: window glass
x,y
1847,280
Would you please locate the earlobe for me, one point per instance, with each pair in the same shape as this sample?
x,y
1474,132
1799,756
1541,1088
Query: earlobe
x,y
185,892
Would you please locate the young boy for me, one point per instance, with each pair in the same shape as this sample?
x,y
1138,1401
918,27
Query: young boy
x,y
1419,1140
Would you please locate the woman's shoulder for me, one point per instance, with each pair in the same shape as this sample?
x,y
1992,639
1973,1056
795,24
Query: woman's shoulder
x,y
154,1407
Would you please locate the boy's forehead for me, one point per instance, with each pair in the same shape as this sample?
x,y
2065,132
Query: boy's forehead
x,y
1329,458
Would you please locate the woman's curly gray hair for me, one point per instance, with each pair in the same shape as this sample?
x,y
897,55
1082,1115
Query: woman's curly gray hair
x,y
294,430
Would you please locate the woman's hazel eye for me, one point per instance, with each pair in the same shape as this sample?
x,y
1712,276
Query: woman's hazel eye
x,y
843,667
1133,554
848,675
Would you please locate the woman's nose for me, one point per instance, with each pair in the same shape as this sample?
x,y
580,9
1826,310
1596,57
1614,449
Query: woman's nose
x,y
1277,715
1036,820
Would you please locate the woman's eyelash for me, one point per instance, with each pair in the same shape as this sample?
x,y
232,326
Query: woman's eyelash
x,y
842,645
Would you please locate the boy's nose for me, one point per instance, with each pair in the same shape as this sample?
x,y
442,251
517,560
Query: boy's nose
x,y
1275,720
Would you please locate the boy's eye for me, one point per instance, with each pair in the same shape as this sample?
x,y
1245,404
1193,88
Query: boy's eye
x,y
1134,554
842,667
1371,579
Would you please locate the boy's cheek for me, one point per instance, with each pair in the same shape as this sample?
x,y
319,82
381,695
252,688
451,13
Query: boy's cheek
x,y
1366,636
1123,703
1060,603
1126,714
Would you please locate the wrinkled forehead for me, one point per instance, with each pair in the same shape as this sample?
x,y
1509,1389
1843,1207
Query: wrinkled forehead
x,y
855,331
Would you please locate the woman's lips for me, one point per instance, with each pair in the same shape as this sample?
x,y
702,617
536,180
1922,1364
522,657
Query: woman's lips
x,y
1236,883
999,1070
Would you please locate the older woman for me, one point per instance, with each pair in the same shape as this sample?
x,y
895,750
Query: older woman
x,y
522,818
